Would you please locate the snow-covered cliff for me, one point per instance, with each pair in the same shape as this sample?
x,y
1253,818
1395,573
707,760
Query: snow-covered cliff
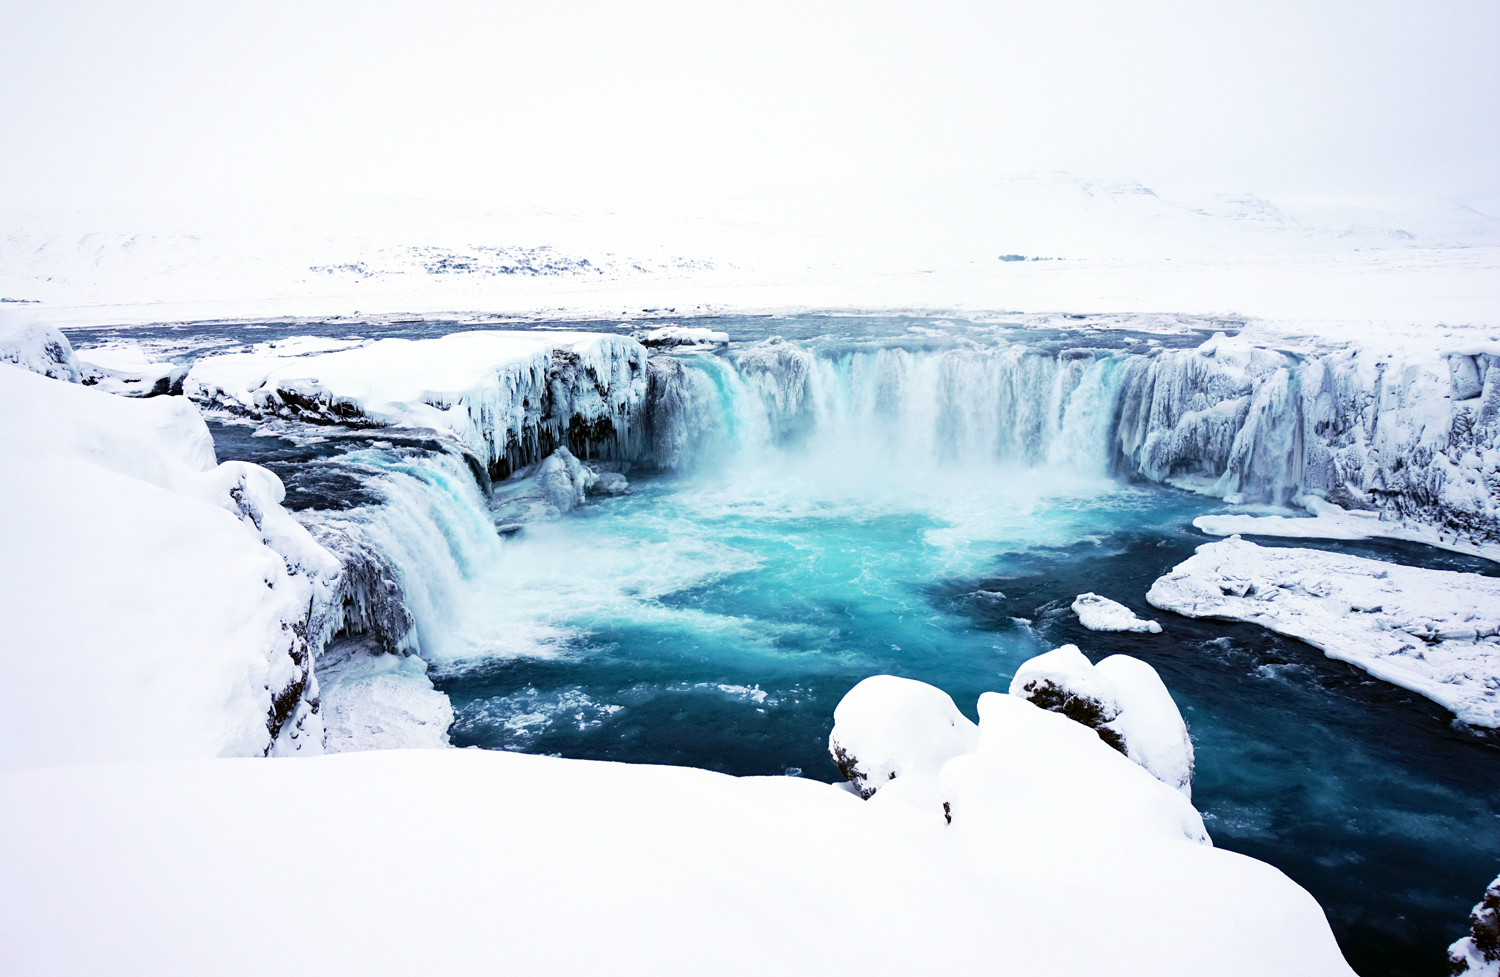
x,y
156,603
509,397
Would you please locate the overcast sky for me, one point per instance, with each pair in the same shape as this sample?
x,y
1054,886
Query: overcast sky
x,y
153,100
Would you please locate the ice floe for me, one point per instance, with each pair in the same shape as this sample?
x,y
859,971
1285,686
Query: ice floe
x,y
1431,631
1328,521
1102,614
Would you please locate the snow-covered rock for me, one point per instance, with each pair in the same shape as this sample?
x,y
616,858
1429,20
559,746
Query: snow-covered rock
x,y
1102,614
1122,699
510,397
897,729
563,867
129,370
1478,954
669,336
36,347
1431,631
156,604
564,480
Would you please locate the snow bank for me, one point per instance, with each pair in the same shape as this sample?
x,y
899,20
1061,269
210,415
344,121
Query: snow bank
x,y
556,866
1102,614
156,604
128,370
1478,954
1122,699
1431,631
509,397
1328,521
35,347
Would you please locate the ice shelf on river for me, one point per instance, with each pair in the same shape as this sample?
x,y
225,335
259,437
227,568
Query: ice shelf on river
x,y
1431,631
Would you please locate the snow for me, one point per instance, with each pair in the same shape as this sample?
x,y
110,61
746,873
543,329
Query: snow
x,y
502,394
1431,631
560,866
129,370
1328,521
157,604
37,347
1123,699
1102,614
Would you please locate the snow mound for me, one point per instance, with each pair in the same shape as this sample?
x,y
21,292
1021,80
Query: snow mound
x,y
1122,699
157,604
1478,954
1431,631
167,869
1102,614
35,347
887,729
128,370
510,397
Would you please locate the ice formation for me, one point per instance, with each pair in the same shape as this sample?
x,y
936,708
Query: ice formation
x,y
1431,631
1122,699
171,607
509,397
1328,521
1102,614
1478,954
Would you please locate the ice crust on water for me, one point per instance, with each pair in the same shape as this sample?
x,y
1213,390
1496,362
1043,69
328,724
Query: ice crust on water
x,y
1123,699
648,861
1102,614
1431,631
509,397
374,700
1328,521
157,604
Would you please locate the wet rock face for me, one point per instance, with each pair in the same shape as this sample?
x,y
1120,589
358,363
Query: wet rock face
x,y
1093,713
1479,952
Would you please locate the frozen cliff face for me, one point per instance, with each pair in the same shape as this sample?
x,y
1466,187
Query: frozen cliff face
x,y
1122,699
509,397
1412,435
1435,632
35,347
157,604
1478,954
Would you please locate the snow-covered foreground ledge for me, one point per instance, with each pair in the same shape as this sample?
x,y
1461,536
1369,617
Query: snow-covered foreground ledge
x,y
1431,631
539,865
155,603
510,397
